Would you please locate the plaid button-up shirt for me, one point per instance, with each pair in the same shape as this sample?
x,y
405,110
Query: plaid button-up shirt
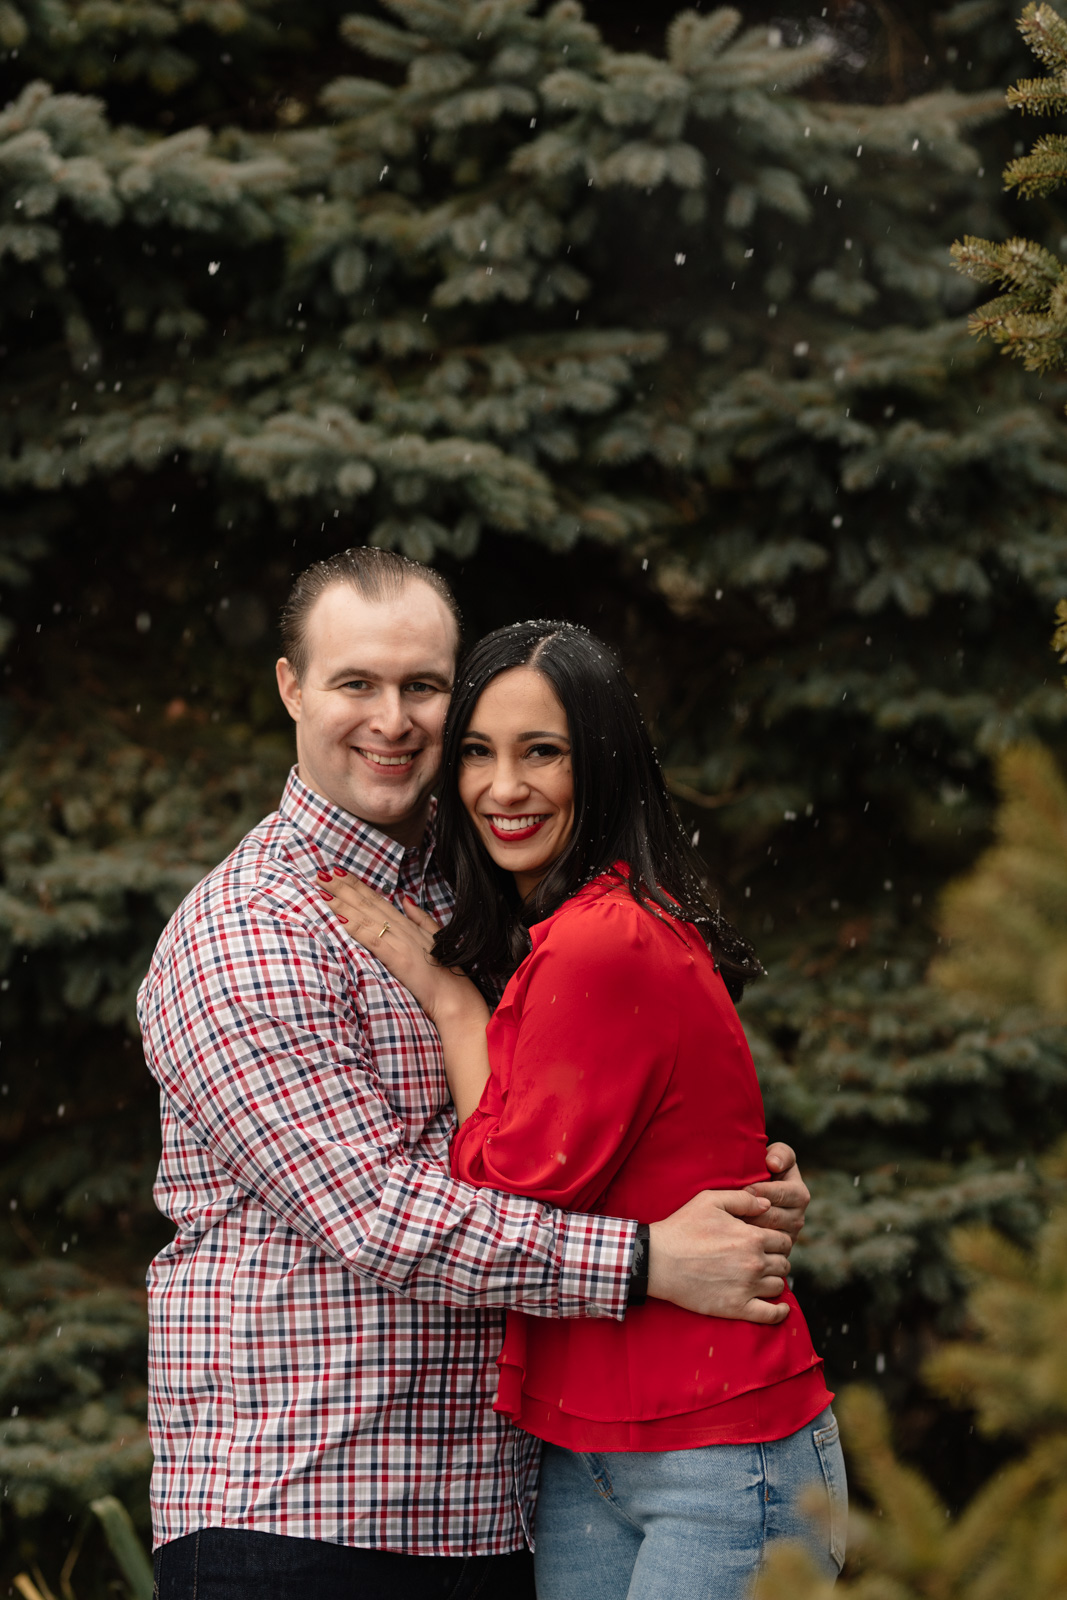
x,y
325,1324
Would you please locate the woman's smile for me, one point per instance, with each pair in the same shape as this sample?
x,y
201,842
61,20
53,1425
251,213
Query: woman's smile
x,y
511,829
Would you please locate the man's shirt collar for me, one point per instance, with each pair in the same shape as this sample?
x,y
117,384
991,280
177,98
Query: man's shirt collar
x,y
341,840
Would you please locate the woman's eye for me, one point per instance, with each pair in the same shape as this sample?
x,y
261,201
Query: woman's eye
x,y
474,752
544,750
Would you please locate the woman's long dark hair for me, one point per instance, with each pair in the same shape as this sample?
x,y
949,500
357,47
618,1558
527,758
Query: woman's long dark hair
x,y
622,812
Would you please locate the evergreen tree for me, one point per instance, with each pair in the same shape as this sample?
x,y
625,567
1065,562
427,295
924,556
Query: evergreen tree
x,y
1007,921
1011,1539
666,340
1029,320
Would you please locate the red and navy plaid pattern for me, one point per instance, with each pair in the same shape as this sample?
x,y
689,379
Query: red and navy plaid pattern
x,y
325,1324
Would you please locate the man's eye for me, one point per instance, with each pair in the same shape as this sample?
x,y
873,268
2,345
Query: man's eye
x,y
356,683
423,688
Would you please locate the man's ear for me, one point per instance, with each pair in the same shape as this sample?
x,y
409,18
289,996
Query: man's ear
x,y
288,688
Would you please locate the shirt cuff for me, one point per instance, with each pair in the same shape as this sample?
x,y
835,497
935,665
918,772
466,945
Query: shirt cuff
x,y
595,1257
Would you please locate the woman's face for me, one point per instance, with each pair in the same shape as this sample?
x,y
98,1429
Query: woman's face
x,y
515,776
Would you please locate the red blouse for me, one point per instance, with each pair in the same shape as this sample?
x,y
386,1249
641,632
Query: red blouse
x,y
621,1082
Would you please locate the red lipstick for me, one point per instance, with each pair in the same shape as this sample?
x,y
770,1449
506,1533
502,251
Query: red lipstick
x,y
512,835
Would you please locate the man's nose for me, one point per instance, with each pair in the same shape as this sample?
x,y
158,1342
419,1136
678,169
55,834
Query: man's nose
x,y
390,717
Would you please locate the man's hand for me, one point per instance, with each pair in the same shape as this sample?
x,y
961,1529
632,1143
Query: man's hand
x,y
788,1193
706,1258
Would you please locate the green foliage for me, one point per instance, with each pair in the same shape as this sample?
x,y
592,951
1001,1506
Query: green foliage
x,y
1010,1539
1029,320
125,1545
125,40
1007,922
104,836
868,1059
74,1426
664,339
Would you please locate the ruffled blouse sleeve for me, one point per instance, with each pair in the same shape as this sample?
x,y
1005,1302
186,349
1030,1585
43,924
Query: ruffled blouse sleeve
x,y
578,1067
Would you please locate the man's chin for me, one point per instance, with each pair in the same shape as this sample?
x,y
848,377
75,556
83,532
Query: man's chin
x,y
381,807
387,806
396,808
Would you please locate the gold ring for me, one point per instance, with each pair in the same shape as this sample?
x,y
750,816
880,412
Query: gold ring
x,y
383,933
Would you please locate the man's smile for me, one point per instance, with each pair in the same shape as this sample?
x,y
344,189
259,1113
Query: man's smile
x,y
401,760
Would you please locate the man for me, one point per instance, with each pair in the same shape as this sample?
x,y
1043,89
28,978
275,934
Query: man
x,y
324,1324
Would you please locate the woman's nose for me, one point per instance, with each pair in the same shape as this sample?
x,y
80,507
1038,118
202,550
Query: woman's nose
x,y
508,785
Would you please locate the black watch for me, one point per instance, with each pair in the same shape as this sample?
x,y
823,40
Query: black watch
x,y
637,1293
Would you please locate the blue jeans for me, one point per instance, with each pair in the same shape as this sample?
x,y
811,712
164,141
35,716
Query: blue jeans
x,y
685,1524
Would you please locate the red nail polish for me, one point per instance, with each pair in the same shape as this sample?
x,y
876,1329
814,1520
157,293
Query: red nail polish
x,y
339,872
324,875
340,918
325,894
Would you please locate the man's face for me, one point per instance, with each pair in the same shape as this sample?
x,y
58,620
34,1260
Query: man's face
x,y
370,711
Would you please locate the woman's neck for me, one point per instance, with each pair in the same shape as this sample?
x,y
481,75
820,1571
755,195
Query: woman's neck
x,y
525,884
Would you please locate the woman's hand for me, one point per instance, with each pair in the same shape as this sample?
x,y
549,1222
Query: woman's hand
x,y
404,944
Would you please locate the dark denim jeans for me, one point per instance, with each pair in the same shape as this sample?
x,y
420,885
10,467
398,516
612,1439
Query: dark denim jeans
x,y
234,1564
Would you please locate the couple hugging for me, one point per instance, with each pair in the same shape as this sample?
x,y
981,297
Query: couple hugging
x,y
477,1243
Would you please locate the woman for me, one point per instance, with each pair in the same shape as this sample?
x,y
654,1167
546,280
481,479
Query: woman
x,y
613,1076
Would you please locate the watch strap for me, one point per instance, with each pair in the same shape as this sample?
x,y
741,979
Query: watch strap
x,y
637,1293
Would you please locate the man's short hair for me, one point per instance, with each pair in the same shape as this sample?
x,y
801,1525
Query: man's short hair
x,y
377,575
